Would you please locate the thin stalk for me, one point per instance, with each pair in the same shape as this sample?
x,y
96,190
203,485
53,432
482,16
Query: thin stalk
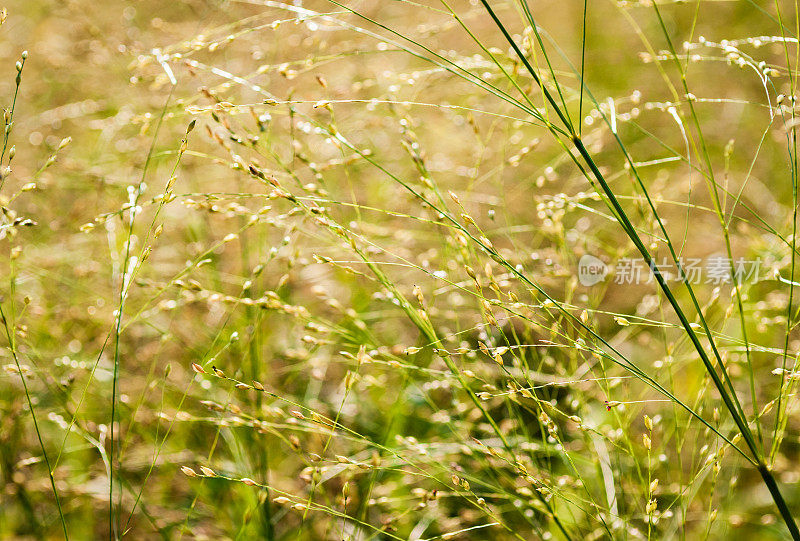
x,y
583,66
123,293
732,404
13,349
727,393
780,421
9,333
708,175
10,123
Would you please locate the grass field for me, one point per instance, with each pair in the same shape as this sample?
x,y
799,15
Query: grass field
x,y
352,270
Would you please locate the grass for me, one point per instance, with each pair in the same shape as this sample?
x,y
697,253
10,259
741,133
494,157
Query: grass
x,y
314,270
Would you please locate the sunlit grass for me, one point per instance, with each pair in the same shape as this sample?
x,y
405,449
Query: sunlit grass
x,y
313,272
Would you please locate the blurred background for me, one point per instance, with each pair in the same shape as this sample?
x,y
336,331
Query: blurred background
x,y
290,243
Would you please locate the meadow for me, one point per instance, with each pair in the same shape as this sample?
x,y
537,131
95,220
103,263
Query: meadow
x,y
413,270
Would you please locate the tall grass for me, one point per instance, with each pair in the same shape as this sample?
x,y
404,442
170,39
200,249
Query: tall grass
x,y
327,280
